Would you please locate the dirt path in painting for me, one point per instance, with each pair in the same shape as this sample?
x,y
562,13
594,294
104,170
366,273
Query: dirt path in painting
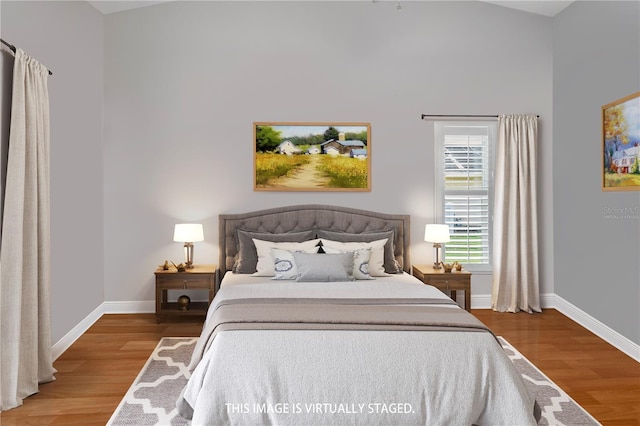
x,y
305,176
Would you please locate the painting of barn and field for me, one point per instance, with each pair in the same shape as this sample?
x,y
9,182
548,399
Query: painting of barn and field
x,y
621,144
312,156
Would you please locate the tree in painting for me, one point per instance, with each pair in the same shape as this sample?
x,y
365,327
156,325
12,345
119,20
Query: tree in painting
x,y
615,134
331,133
267,138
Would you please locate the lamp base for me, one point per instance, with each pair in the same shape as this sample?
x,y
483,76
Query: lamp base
x,y
436,264
188,254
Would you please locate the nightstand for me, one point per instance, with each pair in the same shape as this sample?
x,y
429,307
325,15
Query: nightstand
x,y
446,281
198,278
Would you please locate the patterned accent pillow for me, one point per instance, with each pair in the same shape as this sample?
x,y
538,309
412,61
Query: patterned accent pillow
x,y
284,264
376,260
265,265
360,261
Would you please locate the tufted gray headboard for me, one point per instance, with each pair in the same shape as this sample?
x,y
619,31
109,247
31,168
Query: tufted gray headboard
x,y
312,216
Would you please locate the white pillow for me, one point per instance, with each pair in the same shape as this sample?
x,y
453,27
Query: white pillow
x,y
284,264
376,261
265,266
361,260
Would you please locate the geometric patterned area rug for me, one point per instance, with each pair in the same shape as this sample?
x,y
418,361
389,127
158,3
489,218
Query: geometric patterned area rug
x,y
557,407
151,399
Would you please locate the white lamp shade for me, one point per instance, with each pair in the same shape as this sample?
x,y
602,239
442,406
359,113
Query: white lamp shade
x,y
436,233
188,232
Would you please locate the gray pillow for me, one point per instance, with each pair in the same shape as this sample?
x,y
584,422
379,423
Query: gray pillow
x,y
391,266
247,257
324,267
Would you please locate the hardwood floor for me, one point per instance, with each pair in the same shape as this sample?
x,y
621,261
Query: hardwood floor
x,y
600,378
96,371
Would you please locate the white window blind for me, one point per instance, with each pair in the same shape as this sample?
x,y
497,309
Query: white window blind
x,y
464,170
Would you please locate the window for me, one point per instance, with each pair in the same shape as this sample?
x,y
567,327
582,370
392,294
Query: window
x,y
464,189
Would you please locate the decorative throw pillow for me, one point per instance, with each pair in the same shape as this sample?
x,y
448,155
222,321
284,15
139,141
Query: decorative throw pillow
x,y
284,264
247,257
391,266
265,265
324,267
360,261
376,260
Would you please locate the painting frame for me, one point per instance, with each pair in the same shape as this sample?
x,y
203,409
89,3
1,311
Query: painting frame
x,y
312,156
621,144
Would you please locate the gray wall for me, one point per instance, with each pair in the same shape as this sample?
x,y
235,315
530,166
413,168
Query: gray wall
x,y
597,245
185,81
67,37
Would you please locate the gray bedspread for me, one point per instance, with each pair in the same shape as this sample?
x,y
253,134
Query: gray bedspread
x,y
291,359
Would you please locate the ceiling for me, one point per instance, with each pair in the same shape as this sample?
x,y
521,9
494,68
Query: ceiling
x,y
540,7
106,7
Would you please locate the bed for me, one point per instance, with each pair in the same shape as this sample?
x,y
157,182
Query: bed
x,y
317,322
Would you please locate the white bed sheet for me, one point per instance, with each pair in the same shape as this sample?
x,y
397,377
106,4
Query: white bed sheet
x,y
391,286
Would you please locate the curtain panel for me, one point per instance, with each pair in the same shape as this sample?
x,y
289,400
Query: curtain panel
x,y
515,284
25,334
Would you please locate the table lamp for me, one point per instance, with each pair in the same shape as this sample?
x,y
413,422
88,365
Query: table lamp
x,y
437,234
188,233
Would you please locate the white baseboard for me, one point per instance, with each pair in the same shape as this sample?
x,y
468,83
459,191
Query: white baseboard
x,y
63,344
105,308
553,301
143,307
599,329
478,301
483,301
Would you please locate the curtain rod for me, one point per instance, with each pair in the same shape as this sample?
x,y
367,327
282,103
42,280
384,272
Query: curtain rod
x,y
461,116
13,49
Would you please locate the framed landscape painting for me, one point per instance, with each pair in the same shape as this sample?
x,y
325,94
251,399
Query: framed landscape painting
x,y
312,156
621,144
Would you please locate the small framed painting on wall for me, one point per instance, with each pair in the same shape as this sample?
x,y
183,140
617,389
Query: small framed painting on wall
x,y
312,156
621,144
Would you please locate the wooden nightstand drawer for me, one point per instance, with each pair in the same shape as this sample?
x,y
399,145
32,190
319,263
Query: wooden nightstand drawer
x,y
463,284
180,281
436,281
